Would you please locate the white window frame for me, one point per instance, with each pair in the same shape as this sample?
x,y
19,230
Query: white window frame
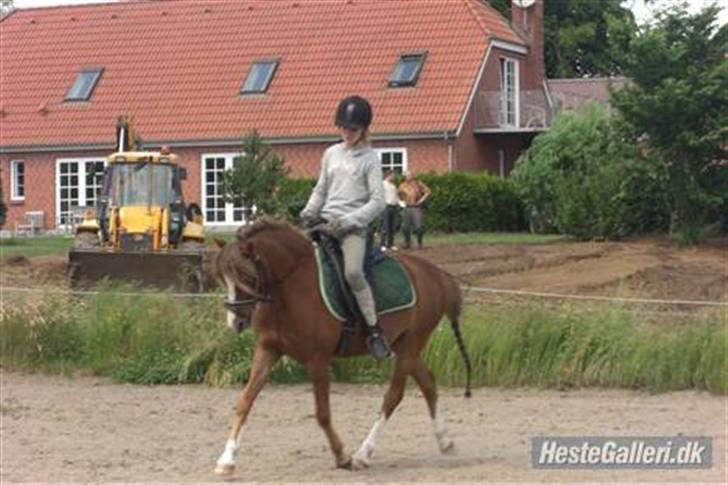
x,y
504,62
14,185
229,206
81,183
400,150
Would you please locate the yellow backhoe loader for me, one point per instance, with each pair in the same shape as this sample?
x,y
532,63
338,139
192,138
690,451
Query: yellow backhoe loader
x,y
141,230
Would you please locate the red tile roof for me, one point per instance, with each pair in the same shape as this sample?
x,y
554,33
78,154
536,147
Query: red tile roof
x,y
177,66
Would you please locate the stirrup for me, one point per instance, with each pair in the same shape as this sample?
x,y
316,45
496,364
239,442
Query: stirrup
x,y
377,344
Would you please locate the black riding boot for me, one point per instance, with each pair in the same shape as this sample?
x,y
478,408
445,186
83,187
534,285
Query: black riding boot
x,y
377,343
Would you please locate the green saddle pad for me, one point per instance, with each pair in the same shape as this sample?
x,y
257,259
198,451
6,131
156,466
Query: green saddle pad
x,y
392,288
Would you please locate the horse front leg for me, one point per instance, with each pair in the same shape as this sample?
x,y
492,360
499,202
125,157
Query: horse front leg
x,y
319,373
263,361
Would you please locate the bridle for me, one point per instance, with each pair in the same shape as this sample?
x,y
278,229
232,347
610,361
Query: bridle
x,y
257,291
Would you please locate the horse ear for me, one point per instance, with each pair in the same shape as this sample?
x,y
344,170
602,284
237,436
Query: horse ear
x,y
219,243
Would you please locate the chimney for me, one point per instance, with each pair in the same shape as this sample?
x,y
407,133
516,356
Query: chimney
x,y
527,19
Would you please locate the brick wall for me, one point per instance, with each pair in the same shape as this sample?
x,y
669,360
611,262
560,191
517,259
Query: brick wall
x,y
303,159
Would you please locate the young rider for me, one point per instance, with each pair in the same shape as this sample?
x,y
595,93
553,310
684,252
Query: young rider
x,y
349,195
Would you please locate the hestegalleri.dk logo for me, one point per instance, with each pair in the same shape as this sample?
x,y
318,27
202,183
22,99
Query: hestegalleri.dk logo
x,y
621,452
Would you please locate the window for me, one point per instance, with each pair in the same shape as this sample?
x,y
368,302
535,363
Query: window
x,y
84,85
394,159
17,180
407,70
509,92
78,183
216,210
259,76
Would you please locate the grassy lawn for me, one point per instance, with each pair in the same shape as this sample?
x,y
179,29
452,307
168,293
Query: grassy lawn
x,y
438,239
35,246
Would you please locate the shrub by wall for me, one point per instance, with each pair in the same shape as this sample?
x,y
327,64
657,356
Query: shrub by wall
x,y
460,202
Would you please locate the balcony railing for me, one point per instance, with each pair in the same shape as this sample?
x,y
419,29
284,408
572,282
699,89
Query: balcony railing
x,y
490,115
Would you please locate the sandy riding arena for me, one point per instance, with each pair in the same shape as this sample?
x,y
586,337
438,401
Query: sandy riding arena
x,y
56,429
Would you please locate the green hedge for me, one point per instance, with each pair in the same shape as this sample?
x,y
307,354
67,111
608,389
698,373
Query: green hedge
x,y
469,202
460,202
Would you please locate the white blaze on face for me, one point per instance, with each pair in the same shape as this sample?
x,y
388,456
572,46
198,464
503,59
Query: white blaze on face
x,y
231,297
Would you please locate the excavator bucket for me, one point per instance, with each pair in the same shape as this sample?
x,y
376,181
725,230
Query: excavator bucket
x,y
179,270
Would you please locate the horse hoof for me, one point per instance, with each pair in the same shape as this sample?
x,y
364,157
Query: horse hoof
x,y
346,465
359,463
448,448
224,470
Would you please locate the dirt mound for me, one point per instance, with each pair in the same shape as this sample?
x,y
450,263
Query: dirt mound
x,y
685,281
13,261
646,268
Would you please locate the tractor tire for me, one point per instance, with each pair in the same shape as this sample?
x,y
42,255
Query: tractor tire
x,y
86,240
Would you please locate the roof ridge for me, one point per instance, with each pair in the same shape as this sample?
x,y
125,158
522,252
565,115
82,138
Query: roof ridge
x,y
470,8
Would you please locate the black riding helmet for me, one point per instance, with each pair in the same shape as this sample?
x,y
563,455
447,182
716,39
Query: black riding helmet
x,y
354,112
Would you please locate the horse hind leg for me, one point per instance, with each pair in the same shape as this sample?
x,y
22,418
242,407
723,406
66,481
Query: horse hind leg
x,y
426,382
392,398
263,361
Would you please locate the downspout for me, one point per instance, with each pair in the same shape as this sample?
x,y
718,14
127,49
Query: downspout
x,y
450,160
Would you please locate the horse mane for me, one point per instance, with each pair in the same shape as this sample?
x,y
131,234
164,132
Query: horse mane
x,y
266,224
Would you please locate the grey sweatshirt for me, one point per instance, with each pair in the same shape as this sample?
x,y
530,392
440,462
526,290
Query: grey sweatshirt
x,y
349,186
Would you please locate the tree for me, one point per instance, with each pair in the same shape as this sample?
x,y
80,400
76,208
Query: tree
x,y
256,177
582,38
676,107
6,6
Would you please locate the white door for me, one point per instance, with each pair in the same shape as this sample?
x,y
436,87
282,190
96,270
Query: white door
x,y
218,211
78,182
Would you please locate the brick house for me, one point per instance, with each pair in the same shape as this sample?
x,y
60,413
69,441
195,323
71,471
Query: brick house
x,y
454,86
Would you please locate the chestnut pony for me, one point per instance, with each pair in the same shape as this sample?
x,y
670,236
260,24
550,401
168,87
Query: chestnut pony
x,y
270,275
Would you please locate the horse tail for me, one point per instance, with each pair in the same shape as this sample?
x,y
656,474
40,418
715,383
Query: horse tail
x,y
454,312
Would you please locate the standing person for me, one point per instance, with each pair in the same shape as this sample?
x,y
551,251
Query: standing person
x,y
349,195
389,218
413,193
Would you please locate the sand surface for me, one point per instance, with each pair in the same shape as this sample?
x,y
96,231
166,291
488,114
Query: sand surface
x,y
58,429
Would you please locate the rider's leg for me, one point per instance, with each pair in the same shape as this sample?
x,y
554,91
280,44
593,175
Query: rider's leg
x,y
353,247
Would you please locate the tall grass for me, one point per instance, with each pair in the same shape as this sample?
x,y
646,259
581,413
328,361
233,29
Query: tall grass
x,y
160,339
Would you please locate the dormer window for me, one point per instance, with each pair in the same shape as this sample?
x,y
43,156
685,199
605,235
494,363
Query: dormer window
x,y
84,85
407,70
259,77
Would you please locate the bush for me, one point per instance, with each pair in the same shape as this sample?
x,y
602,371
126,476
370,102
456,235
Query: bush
x,y
583,178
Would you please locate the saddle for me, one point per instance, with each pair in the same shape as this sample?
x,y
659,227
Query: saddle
x,y
391,285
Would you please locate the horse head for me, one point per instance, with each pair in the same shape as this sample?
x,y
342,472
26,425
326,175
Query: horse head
x,y
262,255
244,275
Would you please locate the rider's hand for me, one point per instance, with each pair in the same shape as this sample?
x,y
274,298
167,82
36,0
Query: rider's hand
x,y
305,219
335,227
